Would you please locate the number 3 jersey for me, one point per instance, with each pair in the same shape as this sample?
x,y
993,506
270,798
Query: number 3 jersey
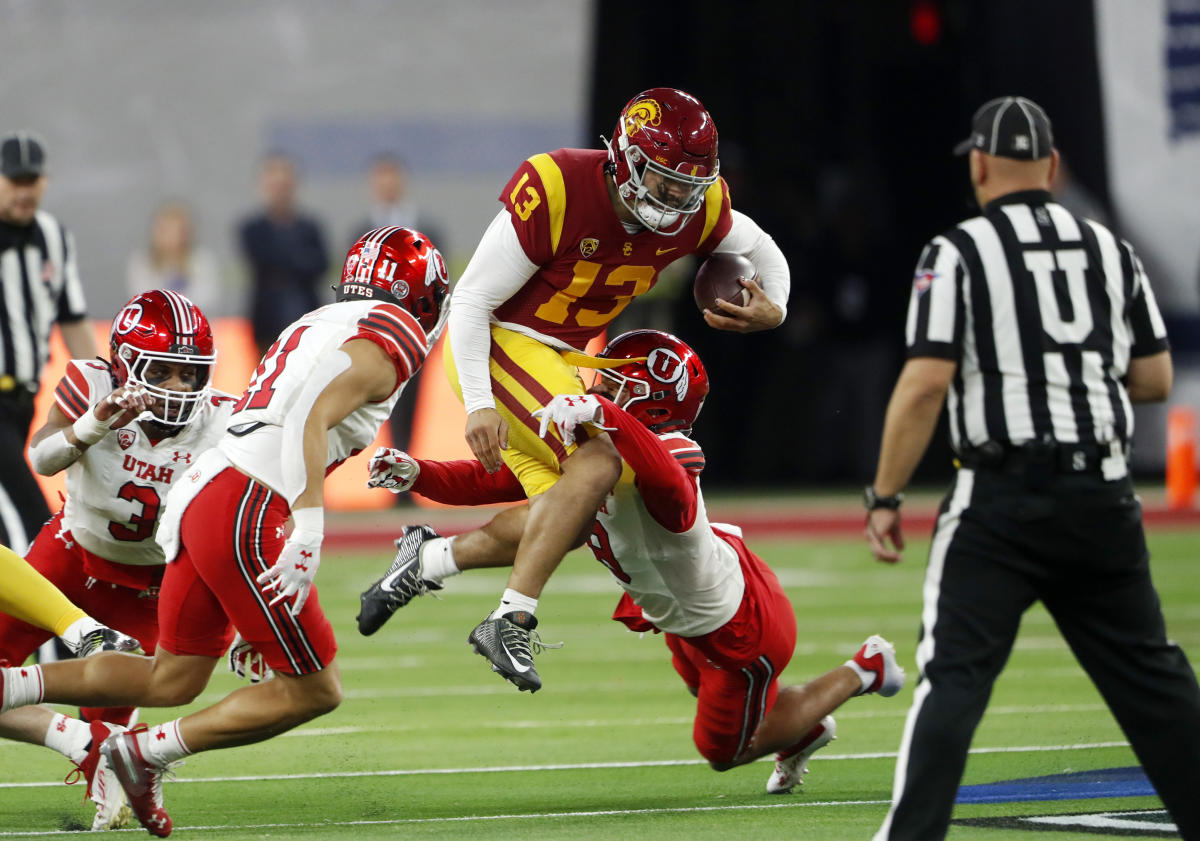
x,y
265,432
116,489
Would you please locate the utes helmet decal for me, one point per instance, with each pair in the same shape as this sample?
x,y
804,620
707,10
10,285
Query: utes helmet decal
x,y
400,266
664,157
664,384
163,326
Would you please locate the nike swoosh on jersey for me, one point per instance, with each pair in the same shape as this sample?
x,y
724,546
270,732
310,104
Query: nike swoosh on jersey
x,y
661,251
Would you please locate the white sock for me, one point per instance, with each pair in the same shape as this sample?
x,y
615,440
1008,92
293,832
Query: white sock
x,y
437,559
867,676
69,736
23,685
511,601
162,744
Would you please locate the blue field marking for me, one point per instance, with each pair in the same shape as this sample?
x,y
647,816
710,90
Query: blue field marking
x,y
1080,785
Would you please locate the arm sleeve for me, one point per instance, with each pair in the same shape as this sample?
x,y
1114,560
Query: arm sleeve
x,y
665,486
745,237
399,334
465,482
497,270
1145,320
934,326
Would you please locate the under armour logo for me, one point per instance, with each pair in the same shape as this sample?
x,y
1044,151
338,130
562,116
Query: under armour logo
x,y
279,531
159,821
61,727
160,735
304,553
301,567
24,673
186,458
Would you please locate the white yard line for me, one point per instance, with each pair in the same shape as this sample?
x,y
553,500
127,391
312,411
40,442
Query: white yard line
x,y
578,766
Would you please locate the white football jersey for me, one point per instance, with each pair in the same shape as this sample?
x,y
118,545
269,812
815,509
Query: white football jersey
x,y
255,442
689,583
116,488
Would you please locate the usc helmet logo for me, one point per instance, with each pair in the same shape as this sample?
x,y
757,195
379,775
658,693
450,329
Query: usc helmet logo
x,y
644,112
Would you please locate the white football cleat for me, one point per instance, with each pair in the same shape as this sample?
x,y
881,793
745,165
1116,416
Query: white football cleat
x,y
792,764
878,656
103,788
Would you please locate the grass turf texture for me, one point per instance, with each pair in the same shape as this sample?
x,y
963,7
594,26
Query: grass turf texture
x,y
430,744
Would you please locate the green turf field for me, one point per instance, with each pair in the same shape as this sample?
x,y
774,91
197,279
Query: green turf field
x,y
430,744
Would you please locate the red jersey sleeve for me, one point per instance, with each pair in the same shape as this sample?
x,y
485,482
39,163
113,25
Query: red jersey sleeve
x,y
465,482
396,331
666,487
535,200
73,393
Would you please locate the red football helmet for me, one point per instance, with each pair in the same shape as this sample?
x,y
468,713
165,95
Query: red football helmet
x,y
664,384
163,326
664,152
400,266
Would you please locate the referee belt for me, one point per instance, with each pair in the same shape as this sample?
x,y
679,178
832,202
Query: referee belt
x,y
1044,458
10,387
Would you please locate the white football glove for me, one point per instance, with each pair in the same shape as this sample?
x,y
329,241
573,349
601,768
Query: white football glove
x,y
567,411
247,661
395,470
295,570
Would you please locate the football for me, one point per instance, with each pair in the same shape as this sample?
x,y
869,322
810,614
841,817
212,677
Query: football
x,y
718,277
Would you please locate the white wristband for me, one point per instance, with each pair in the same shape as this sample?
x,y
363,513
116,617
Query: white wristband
x,y
89,429
311,520
53,453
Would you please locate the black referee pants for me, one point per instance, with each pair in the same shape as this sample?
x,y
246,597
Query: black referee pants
x,y
23,508
1076,543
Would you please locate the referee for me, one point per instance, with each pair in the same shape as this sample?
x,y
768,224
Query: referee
x,y
39,286
1038,329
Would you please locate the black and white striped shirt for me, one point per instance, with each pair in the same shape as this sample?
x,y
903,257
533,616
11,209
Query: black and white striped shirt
x,y
1042,311
39,286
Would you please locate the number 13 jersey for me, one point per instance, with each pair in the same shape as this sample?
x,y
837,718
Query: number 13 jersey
x,y
589,266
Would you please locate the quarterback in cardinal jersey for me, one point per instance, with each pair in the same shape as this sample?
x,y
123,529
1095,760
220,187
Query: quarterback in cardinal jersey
x,y
580,235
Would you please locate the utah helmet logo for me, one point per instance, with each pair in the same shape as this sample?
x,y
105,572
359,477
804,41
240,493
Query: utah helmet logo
x,y
665,366
128,319
644,112
126,437
400,289
588,246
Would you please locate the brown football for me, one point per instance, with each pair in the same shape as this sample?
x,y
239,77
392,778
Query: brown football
x,y
718,276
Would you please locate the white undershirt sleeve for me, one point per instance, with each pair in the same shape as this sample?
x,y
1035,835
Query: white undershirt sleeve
x,y
751,241
497,270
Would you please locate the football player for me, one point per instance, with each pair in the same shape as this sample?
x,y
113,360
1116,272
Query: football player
x,y
581,234
124,430
320,394
726,620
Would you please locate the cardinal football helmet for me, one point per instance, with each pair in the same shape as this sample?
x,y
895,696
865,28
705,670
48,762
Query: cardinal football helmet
x,y
400,266
664,384
163,326
664,155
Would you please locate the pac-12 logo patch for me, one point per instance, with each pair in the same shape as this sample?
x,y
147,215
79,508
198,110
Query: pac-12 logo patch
x,y
126,437
922,281
588,246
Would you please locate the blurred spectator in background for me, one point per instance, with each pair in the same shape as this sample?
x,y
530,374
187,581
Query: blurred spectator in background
x,y
172,261
390,204
285,248
40,283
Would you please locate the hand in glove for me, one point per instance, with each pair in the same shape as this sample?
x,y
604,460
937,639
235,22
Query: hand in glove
x,y
395,470
567,411
247,661
296,568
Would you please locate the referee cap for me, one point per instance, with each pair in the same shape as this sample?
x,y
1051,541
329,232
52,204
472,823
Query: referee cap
x,y
21,155
1010,127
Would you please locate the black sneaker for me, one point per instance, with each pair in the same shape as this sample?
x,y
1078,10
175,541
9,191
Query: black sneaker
x,y
400,585
507,643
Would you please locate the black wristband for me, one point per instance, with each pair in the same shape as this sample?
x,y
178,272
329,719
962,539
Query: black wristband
x,y
872,500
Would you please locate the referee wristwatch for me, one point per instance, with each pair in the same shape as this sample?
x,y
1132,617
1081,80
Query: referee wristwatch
x,y
872,500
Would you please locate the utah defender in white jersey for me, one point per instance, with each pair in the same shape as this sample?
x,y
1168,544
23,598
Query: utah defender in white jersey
x,y
320,394
730,627
124,430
